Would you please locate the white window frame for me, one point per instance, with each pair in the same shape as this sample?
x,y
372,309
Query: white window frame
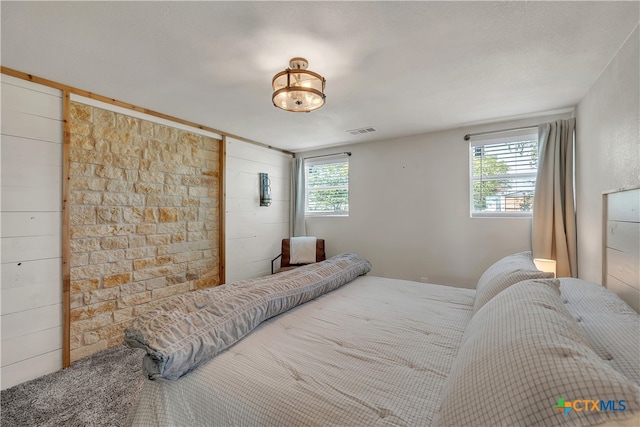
x,y
500,138
342,158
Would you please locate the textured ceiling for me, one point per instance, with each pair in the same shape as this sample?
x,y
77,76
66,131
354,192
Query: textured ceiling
x,y
403,67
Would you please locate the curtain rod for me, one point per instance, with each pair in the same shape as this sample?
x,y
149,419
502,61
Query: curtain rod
x,y
348,153
469,135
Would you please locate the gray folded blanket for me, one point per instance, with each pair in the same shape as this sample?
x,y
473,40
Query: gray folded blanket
x,y
190,329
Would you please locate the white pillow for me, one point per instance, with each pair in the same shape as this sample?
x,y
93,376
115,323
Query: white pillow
x,y
519,261
502,281
520,353
504,273
302,250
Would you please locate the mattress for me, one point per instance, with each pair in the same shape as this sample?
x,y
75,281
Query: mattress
x,y
376,351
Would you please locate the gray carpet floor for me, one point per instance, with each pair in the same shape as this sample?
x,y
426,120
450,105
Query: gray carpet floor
x,y
96,391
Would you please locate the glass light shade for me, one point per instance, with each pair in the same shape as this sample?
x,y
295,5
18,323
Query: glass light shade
x,y
546,265
265,189
298,90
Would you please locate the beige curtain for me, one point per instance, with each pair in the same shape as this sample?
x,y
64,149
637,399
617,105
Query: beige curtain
x,y
554,218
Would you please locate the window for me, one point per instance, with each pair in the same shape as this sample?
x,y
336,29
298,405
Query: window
x,y
503,173
327,186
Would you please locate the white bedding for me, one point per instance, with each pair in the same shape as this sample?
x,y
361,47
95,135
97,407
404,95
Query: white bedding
x,y
382,351
360,355
611,326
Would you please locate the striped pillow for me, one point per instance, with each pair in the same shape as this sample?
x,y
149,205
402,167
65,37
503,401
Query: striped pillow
x,y
190,329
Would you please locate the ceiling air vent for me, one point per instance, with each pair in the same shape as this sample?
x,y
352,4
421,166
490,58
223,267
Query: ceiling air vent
x,y
362,130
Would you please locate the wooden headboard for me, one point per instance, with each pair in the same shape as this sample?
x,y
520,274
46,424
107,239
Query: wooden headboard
x,y
621,241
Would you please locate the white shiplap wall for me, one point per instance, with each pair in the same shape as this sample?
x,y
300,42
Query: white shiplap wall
x,y
30,216
254,233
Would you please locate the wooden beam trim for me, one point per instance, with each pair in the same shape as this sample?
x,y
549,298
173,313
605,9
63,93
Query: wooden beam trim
x,y
86,94
222,194
66,236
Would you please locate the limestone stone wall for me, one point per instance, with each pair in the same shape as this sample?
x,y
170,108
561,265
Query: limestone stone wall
x,y
143,218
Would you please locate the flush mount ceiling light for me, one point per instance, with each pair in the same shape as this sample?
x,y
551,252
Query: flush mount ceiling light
x,y
298,89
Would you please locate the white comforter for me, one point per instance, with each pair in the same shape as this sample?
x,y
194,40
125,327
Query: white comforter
x,y
376,351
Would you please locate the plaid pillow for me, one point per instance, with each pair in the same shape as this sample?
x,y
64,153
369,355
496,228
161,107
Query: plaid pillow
x,y
524,361
504,273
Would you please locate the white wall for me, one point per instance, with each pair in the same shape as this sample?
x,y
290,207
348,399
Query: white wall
x,y
608,149
409,210
254,233
31,185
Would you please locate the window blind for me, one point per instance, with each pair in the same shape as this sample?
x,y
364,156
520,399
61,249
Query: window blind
x,y
503,173
327,186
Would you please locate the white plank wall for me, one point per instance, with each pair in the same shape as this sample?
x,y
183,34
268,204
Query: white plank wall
x,y
30,232
622,246
253,233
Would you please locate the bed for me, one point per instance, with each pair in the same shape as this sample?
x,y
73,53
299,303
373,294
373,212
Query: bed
x,y
325,344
